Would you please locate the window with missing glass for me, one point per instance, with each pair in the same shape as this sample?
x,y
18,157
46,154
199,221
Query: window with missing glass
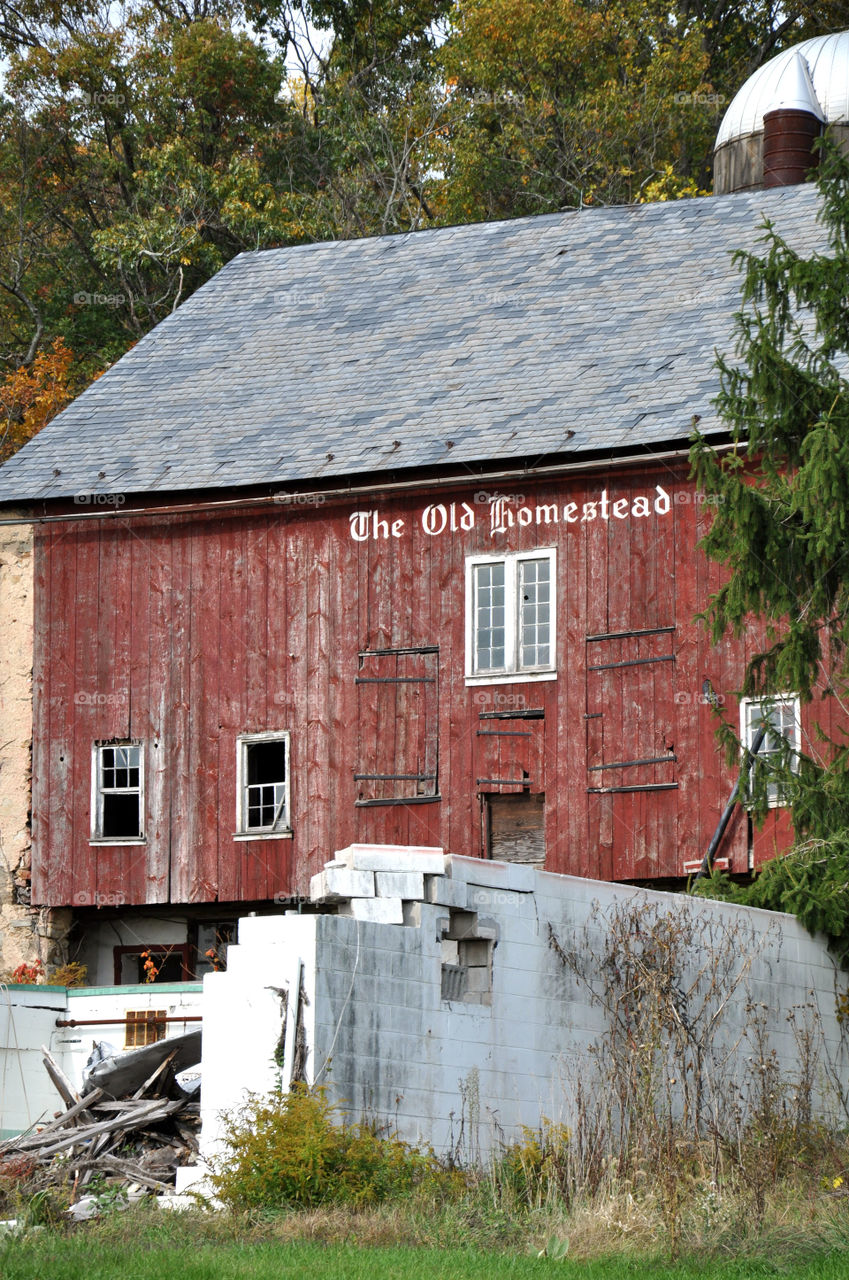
x,y
510,615
117,791
779,717
262,764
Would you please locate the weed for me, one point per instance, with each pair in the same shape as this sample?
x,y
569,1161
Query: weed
x,y
290,1151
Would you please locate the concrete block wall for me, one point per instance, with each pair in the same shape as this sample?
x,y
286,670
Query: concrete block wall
x,y
449,1014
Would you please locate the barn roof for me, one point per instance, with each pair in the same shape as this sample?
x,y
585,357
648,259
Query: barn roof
x,y
533,338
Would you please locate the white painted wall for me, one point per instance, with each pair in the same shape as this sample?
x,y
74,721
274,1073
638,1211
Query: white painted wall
x,y
389,1045
27,1021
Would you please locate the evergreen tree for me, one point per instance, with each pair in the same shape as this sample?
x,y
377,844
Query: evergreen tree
x,y
781,528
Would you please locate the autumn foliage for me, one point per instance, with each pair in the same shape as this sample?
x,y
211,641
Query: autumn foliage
x,y
31,396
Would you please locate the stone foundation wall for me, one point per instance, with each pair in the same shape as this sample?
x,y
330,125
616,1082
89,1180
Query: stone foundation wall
x,y
26,935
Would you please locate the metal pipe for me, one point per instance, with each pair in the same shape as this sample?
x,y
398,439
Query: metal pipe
x,y
716,838
122,1022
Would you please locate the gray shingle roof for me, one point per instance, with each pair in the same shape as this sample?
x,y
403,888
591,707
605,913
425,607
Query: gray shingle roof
x,y
563,333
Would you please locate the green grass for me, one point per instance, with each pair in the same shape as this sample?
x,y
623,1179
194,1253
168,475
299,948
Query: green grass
x,y
83,1256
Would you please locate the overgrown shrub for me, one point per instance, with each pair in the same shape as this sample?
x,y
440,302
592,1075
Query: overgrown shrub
x,y
535,1171
293,1150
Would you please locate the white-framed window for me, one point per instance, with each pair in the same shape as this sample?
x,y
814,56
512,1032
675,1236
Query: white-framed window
x,y
781,716
117,792
511,616
262,782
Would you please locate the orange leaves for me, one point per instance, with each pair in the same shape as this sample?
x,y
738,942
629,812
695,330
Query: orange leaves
x,y
31,396
151,969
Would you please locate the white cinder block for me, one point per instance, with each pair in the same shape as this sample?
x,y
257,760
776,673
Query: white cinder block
x,y
514,877
336,883
393,857
446,893
399,884
478,980
375,910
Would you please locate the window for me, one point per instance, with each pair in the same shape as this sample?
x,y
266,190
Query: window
x,y
143,1026
117,791
262,765
510,616
781,717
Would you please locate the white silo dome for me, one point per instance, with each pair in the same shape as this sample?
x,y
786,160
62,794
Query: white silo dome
x,y
827,59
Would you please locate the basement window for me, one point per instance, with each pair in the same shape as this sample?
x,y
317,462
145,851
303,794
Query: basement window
x,y
143,1026
262,765
117,792
783,730
510,616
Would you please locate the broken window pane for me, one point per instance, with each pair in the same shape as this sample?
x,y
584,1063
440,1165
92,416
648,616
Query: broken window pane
x,y
264,779
119,792
535,597
781,716
511,628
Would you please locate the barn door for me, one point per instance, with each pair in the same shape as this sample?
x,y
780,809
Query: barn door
x,y
398,703
510,775
631,761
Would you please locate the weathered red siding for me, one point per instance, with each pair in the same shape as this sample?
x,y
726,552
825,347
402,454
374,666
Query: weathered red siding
x,y
186,631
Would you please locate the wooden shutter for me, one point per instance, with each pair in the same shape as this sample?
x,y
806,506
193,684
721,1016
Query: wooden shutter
x,y
398,704
631,761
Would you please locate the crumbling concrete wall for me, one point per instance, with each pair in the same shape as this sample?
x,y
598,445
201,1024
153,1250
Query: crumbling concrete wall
x,y
461,999
26,935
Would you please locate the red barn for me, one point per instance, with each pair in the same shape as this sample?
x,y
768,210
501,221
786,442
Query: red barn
x,y
391,541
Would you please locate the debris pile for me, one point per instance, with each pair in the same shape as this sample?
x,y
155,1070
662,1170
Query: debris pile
x,y
131,1127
